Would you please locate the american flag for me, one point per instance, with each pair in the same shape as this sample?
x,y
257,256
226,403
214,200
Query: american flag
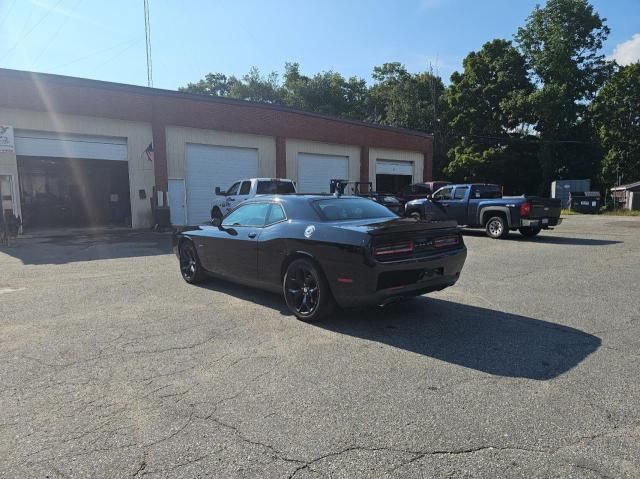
x,y
149,152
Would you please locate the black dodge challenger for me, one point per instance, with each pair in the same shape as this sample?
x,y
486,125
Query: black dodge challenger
x,y
320,251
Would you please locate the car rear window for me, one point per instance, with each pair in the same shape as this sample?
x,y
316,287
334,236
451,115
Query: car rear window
x,y
343,209
275,188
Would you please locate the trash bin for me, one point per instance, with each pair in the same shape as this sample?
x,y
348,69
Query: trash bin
x,y
587,202
161,217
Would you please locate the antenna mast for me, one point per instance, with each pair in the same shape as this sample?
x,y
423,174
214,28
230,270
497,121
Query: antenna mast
x,y
147,35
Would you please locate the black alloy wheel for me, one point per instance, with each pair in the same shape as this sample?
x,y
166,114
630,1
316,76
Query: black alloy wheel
x,y
306,291
190,266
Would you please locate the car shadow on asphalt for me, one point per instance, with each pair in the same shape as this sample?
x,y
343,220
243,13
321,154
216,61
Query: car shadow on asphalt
x,y
545,239
88,247
494,342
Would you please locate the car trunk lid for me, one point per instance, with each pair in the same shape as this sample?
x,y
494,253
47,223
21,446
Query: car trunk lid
x,y
405,238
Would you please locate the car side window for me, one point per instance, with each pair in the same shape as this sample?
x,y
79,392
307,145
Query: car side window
x,y
245,189
234,189
276,214
253,214
460,193
443,194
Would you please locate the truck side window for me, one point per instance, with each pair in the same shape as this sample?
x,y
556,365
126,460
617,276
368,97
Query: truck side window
x,y
460,193
233,190
486,192
443,194
245,189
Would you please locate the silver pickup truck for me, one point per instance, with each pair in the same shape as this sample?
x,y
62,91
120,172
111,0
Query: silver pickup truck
x,y
248,188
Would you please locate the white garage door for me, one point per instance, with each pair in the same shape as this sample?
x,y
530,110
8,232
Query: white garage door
x,y
211,166
389,167
38,143
316,171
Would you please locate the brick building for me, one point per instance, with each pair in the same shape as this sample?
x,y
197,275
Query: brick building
x,y
86,152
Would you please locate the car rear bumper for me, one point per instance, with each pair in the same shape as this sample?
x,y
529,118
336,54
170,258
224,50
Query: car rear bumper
x,y
385,282
540,222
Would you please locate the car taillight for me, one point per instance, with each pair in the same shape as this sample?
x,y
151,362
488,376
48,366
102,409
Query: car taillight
x,y
525,209
446,241
393,248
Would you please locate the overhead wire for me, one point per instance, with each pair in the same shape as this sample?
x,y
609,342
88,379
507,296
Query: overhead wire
x,y
128,43
8,12
57,32
25,35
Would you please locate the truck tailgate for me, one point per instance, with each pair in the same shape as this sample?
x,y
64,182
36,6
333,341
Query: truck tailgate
x,y
544,208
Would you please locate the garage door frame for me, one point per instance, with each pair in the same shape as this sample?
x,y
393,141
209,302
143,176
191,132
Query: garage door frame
x,y
70,145
395,167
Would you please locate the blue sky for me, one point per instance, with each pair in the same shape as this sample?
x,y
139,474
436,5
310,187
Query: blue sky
x,y
105,39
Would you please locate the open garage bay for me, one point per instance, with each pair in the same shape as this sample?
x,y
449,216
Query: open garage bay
x,y
112,366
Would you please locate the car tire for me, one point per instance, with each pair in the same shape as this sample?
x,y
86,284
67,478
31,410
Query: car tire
x,y
190,267
529,231
216,214
306,291
496,227
415,215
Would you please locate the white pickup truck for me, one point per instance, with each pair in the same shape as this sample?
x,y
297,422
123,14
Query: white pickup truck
x,y
244,189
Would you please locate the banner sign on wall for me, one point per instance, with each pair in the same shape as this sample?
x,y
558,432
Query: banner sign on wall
x,y
7,142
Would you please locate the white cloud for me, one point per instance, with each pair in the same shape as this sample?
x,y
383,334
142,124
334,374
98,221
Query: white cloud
x,y
627,52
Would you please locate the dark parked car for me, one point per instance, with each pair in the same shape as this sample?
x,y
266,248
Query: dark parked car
x,y
418,191
364,189
483,206
324,250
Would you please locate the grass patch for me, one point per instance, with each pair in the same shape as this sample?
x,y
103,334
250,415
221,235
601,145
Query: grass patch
x,y
621,213
566,212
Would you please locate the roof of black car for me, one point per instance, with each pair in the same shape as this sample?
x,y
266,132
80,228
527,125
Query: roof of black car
x,y
301,197
472,184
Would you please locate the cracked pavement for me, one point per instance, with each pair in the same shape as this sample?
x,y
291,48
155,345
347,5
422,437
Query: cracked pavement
x,y
111,366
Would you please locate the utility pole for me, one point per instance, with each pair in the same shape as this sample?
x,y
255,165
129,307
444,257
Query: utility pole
x,y
147,35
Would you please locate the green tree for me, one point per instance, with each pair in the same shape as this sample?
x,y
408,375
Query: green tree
x,y
327,93
561,43
489,118
213,84
415,101
616,115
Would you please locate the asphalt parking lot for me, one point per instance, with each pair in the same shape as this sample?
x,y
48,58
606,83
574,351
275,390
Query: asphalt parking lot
x,y
111,366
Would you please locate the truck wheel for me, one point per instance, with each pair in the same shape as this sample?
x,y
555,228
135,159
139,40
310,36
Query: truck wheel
x,y
216,214
529,231
497,228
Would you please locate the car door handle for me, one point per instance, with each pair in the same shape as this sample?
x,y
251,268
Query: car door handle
x,y
252,235
231,199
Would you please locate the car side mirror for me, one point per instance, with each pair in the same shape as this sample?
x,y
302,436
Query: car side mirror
x,y
218,192
216,222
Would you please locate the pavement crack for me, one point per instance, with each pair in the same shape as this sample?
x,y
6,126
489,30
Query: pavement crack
x,y
142,466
